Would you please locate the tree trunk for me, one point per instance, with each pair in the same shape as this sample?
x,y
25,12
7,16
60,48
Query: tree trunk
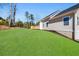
x,y
10,14
14,14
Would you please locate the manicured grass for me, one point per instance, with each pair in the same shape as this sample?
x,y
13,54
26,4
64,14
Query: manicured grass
x,y
35,42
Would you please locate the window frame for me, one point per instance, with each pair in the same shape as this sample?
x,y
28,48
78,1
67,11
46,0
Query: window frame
x,y
47,24
64,21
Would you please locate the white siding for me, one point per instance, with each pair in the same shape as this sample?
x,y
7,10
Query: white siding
x,y
41,25
76,26
61,28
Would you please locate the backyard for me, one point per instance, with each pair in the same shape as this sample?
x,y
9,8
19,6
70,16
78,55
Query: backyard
x,y
27,42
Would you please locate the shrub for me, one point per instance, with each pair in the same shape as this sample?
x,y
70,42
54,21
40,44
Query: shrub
x,y
19,24
27,25
3,22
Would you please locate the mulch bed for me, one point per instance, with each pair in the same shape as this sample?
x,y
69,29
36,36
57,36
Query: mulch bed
x,y
3,27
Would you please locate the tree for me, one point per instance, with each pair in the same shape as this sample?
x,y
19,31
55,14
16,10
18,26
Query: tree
x,y
32,19
26,24
2,5
37,23
1,18
3,21
10,20
12,14
19,24
27,17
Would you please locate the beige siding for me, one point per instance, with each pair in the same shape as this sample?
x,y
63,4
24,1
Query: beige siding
x,y
60,27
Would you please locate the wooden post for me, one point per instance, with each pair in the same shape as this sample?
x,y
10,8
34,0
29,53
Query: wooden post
x,y
73,27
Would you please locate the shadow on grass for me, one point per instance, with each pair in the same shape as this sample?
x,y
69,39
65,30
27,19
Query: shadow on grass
x,y
61,35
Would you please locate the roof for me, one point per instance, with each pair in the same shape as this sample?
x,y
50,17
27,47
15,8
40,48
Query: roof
x,y
48,17
64,11
69,9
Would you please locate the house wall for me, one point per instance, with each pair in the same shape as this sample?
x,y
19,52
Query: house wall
x,y
41,25
76,26
60,27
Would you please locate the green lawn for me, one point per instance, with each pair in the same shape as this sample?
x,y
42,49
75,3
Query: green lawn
x,y
35,42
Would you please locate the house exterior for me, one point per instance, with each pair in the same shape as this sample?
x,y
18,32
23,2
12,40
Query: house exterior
x,y
65,22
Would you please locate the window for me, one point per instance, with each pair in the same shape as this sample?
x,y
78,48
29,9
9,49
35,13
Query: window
x,y
66,20
47,24
77,20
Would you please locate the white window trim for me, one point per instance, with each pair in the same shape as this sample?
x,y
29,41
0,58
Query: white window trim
x,y
65,17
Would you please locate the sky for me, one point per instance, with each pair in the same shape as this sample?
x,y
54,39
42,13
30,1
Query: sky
x,y
39,10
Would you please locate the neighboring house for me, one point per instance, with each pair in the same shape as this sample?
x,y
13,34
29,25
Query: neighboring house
x,y
65,22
